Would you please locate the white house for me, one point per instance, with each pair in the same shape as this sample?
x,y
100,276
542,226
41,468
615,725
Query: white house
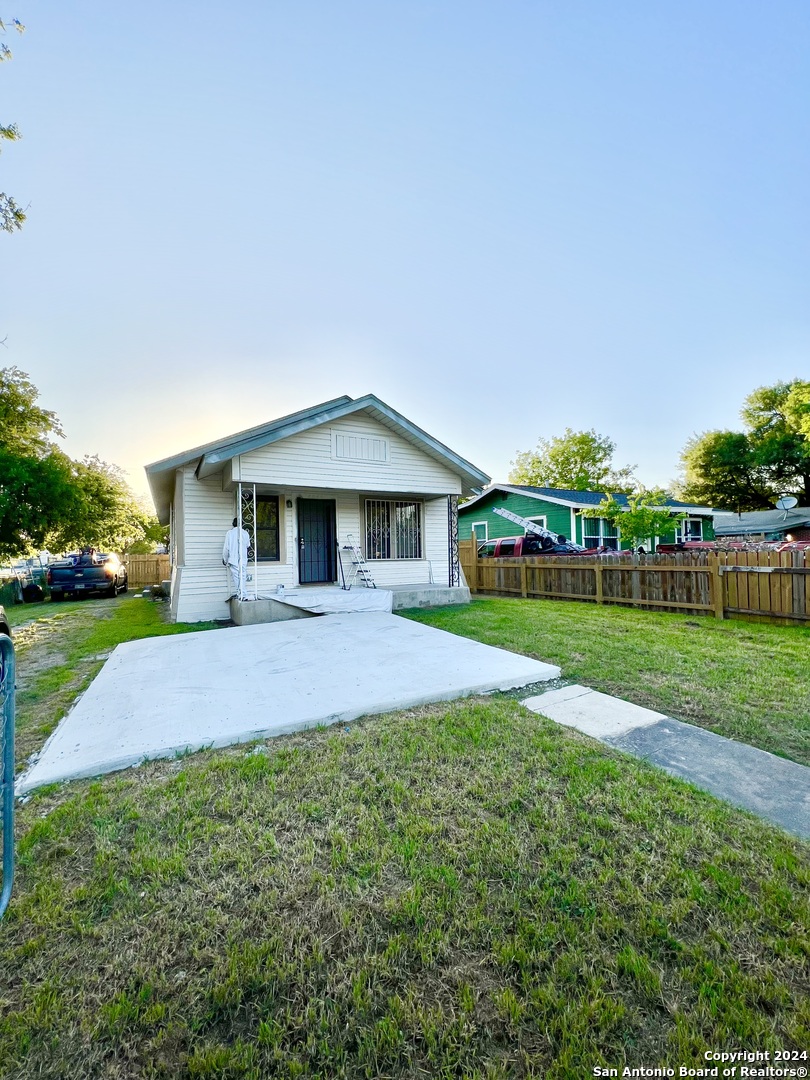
x,y
304,487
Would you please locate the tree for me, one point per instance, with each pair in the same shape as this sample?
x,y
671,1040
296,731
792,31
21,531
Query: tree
x,y
721,471
780,447
36,479
36,495
644,516
45,497
797,408
154,535
104,512
24,426
576,460
11,216
749,470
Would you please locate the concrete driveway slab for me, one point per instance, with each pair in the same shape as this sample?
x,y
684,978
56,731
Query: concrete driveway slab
x,y
162,696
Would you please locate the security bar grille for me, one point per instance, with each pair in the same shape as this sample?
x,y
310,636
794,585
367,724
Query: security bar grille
x,y
7,765
393,529
453,564
247,521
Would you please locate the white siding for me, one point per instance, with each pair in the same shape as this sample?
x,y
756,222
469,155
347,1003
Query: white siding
x,y
306,460
178,538
434,547
208,513
202,595
304,467
200,588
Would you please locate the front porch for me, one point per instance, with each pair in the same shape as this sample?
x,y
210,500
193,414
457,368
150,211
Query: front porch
x,y
304,603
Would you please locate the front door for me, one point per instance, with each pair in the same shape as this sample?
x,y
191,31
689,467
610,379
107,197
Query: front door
x,y
316,541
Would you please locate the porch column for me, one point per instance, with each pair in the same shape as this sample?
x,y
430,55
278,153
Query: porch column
x,y
246,512
454,571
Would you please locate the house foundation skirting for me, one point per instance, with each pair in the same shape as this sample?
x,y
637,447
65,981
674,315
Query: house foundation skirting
x,y
329,600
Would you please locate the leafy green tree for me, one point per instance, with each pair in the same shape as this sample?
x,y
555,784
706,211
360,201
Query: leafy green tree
x,y
780,447
36,477
11,215
45,498
749,470
24,426
644,516
104,512
797,408
155,535
36,495
576,460
721,470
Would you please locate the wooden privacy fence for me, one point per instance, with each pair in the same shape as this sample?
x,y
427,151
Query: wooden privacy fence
x,y
147,569
762,583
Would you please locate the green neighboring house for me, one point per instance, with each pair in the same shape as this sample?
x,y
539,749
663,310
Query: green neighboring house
x,y
560,511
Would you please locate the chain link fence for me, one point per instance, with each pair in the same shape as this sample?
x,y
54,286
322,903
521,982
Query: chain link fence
x,y
7,766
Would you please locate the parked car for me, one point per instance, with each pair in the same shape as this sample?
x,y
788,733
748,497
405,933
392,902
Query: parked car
x,y
4,624
85,572
513,547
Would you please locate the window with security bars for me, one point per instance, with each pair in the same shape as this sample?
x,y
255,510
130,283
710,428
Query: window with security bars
x,y
599,532
393,529
267,528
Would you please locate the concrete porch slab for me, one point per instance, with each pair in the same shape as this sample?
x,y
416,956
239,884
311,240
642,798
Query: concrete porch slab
x,y
423,596
300,603
161,696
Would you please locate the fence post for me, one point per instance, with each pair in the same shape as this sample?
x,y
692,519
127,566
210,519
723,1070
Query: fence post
x,y
524,587
716,579
600,595
474,556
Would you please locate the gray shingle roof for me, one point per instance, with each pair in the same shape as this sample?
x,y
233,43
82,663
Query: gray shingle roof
x,y
578,498
211,457
591,498
761,521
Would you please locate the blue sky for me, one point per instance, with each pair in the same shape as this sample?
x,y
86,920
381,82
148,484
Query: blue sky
x,y
502,219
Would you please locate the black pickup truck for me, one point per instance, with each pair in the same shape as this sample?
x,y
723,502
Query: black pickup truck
x,y
87,571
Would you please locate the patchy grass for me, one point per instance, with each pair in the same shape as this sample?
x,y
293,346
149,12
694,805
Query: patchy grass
x,y
747,681
463,890
60,649
455,891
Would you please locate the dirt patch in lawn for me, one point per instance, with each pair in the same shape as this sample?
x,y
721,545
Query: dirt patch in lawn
x,y
51,670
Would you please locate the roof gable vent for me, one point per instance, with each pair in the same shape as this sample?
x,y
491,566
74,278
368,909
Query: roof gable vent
x,y
357,446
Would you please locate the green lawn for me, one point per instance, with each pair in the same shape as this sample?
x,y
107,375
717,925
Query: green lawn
x,y
461,890
61,647
747,681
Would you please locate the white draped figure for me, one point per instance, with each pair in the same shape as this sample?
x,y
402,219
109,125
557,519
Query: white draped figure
x,y
235,557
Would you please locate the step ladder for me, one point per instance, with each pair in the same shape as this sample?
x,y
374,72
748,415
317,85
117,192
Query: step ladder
x,y
359,570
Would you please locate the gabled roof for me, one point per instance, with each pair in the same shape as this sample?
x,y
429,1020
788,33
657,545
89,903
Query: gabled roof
x,y
579,500
762,521
211,457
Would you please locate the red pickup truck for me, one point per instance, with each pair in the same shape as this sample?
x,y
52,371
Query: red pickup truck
x,y
512,547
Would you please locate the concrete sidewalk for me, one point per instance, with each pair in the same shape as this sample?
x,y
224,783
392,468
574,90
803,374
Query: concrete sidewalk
x,y
771,787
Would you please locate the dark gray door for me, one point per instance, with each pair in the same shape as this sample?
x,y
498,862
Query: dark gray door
x,y
316,541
